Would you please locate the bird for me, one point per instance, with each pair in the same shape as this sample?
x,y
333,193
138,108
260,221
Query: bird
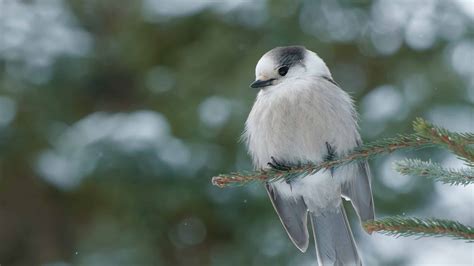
x,y
300,115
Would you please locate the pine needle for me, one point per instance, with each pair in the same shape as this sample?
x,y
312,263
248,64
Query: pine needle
x,y
301,169
426,135
435,171
409,226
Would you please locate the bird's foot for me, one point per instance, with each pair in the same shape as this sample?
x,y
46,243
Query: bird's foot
x,y
278,165
331,155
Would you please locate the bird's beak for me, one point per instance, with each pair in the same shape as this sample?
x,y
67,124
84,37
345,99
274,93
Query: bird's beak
x,y
261,83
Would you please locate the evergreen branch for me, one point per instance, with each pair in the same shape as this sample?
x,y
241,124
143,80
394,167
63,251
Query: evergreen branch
x,y
410,226
361,153
459,143
436,172
425,135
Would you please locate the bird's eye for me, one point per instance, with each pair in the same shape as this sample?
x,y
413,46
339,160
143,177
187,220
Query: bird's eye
x,y
283,70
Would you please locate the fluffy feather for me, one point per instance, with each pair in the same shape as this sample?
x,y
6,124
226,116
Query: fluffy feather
x,y
293,120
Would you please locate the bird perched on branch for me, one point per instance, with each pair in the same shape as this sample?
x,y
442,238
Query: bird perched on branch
x,y
302,115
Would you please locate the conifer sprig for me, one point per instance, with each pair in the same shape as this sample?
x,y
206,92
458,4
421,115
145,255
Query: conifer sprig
x,y
460,144
426,135
435,171
303,169
410,226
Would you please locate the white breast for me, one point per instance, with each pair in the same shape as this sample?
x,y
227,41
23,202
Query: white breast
x,y
294,123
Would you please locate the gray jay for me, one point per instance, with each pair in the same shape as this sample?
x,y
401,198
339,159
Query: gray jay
x,y
302,115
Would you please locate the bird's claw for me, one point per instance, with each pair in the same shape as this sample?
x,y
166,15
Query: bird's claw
x,y
330,156
331,152
277,165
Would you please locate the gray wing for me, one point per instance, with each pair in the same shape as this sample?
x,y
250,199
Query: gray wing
x,y
359,191
293,214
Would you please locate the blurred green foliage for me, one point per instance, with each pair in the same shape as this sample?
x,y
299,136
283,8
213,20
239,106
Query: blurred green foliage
x,y
114,116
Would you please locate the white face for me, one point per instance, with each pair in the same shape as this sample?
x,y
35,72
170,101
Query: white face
x,y
269,71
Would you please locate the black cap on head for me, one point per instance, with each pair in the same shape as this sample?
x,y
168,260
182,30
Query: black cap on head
x,y
289,55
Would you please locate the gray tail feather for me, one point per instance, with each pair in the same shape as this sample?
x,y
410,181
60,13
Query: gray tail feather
x,y
335,244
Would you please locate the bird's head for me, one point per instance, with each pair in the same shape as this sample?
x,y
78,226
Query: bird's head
x,y
283,64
